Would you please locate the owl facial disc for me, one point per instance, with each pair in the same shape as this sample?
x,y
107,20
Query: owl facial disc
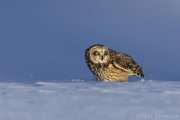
x,y
99,54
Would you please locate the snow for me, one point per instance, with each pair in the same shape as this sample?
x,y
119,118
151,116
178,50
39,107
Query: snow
x,y
82,100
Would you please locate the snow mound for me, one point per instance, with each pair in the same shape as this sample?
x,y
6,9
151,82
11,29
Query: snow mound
x,y
81,100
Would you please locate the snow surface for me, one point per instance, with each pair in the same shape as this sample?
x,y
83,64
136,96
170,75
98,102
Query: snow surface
x,y
81,100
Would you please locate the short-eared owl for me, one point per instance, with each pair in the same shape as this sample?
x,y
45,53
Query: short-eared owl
x,y
107,64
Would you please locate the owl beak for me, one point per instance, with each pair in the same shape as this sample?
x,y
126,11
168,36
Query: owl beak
x,y
102,57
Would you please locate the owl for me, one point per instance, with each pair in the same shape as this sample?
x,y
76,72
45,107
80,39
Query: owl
x,y
110,65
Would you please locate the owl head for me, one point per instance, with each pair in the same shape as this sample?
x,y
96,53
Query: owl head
x,y
98,54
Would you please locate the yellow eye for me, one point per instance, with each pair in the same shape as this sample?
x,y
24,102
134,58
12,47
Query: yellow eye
x,y
96,53
105,53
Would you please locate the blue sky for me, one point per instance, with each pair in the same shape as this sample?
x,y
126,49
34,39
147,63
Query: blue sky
x,y
48,38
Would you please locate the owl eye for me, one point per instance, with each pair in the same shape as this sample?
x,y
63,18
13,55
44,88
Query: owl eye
x,y
105,53
96,53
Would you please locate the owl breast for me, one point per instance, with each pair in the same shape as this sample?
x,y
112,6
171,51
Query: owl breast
x,y
109,73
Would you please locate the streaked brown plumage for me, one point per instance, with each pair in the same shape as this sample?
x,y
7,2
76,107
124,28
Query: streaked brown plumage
x,y
107,64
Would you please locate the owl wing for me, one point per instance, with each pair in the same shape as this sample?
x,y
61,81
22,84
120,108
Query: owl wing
x,y
128,64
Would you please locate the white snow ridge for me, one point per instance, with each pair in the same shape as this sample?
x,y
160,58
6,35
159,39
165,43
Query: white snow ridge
x,y
81,100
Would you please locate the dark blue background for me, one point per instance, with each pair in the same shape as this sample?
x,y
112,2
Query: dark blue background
x,y
46,39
